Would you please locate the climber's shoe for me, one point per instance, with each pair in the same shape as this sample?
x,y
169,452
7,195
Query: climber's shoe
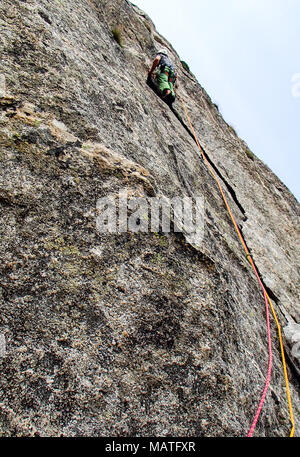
x,y
169,99
153,84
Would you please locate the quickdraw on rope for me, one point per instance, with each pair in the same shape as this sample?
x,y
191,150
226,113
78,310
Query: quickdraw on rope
x,y
266,298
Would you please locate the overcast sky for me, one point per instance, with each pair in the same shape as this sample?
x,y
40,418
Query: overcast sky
x,y
245,53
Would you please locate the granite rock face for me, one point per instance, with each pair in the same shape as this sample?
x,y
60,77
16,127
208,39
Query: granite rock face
x,y
132,333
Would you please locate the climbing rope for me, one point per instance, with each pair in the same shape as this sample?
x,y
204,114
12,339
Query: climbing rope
x,y
266,298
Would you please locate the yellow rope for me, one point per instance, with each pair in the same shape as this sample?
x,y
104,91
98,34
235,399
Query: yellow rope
x,y
249,257
284,368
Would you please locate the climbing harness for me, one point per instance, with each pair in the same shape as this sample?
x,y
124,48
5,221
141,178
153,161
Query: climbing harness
x,y
266,298
170,72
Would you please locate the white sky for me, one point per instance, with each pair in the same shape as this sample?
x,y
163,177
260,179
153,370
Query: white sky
x,y
245,54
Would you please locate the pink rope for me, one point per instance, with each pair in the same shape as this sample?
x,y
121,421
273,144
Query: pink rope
x,y
268,379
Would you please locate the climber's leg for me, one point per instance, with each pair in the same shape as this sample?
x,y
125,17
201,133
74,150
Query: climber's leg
x,y
166,93
163,84
170,99
170,96
172,89
166,88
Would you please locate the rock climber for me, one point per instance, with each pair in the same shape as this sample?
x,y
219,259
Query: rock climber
x,y
164,76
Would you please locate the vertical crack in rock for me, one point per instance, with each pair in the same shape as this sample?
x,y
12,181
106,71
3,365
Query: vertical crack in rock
x,y
228,186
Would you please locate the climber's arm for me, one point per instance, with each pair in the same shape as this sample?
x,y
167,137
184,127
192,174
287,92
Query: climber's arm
x,y
154,65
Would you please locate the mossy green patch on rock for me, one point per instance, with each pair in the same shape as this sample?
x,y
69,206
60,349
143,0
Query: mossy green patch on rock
x,y
60,245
